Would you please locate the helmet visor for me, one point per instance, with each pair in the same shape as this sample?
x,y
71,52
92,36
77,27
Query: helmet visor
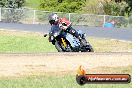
x,y
52,22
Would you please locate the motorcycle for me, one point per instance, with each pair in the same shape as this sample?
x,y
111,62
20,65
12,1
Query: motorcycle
x,y
66,42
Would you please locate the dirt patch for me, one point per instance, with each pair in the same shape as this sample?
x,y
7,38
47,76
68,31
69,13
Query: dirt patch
x,y
36,64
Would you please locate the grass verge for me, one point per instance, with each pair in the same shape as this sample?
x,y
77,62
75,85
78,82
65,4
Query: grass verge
x,y
33,3
60,81
23,42
130,45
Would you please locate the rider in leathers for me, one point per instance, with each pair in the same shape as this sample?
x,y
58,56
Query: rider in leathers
x,y
63,24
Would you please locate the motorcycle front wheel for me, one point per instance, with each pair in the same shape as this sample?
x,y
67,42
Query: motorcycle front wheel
x,y
60,48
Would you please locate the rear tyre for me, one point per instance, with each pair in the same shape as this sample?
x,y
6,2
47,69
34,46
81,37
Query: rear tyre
x,y
87,46
90,49
84,42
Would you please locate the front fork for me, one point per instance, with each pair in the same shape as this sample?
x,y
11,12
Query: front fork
x,y
64,42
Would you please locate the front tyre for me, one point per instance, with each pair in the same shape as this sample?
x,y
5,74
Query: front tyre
x,y
61,48
58,47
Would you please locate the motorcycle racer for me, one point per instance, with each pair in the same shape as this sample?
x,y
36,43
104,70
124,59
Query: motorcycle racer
x,y
64,24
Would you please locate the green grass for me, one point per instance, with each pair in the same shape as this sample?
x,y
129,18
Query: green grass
x,y
20,42
67,81
130,45
33,3
58,81
24,43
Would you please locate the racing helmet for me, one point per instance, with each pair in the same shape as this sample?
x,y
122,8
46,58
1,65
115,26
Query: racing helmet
x,y
53,18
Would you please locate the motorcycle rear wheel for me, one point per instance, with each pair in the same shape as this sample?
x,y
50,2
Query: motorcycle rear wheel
x,y
90,49
85,43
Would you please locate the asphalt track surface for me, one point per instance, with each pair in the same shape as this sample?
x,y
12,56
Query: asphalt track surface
x,y
113,33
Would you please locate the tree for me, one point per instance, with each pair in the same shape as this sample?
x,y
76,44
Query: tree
x,y
117,7
12,3
2,3
128,9
93,7
62,5
12,15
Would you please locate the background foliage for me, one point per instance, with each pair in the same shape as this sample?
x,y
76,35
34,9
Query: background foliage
x,y
93,6
12,3
62,5
108,7
113,7
122,8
